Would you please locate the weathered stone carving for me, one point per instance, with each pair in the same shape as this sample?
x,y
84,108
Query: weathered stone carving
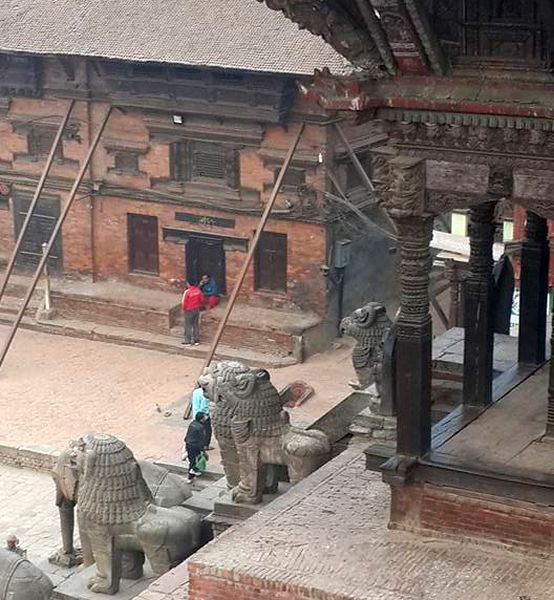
x,y
167,490
117,516
369,326
21,580
254,431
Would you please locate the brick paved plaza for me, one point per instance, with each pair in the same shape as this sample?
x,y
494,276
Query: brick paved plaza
x,y
57,388
28,511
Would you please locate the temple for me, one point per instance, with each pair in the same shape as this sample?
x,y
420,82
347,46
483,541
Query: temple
x,y
464,92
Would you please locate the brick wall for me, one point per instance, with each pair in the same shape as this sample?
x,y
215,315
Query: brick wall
x,y
94,238
214,584
446,510
306,249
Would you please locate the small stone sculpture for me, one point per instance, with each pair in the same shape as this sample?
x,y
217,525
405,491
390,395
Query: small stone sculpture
x,y
118,518
369,326
250,419
167,490
21,580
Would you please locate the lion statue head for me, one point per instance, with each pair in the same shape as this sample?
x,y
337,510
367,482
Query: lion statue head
x,y
238,392
112,490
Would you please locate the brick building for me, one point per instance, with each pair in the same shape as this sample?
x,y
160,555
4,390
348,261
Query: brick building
x,y
190,153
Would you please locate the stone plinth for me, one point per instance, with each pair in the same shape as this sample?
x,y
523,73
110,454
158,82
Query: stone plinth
x,y
75,588
227,513
327,538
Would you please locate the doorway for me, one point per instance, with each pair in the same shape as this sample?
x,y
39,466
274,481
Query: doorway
x,y
41,227
205,255
271,262
142,235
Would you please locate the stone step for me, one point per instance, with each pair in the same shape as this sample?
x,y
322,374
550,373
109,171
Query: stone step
x,y
109,312
141,339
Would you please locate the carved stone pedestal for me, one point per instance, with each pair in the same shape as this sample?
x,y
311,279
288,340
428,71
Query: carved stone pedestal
x,y
75,588
371,424
227,513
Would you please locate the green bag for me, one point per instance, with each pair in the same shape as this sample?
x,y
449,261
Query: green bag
x,y
201,462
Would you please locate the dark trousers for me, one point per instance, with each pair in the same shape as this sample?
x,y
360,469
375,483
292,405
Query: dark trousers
x,y
208,430
192,330
193,452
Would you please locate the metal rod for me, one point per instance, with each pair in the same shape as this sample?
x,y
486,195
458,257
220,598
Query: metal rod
x,y
355,160
52,239
36,197
250,255
343,199
47,299
361,171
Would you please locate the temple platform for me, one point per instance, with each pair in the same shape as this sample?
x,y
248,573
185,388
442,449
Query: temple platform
x,y
133,315
327,538
490,474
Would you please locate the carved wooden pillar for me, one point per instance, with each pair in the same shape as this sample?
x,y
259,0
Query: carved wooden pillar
x,y
550,414
533,290
453,277
413,325
414,337
478,316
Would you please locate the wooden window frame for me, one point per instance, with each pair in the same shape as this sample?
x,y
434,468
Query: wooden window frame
x,y
34,152
184,168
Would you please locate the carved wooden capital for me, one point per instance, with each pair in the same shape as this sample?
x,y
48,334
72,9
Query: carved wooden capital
x,y
407,186
414,236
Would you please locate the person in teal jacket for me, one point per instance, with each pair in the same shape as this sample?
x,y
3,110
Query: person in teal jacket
x,y
200,404
209,289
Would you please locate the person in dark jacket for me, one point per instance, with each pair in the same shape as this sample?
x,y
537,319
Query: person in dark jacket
x,y
195,440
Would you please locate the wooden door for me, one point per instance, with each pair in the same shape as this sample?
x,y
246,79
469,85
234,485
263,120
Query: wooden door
x,y
206,256
271,262
142,235
40,228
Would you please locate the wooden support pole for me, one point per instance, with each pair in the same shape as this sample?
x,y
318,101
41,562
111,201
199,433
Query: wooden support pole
x,y
533,291
478,315
35,198
55,233
413,324
250,255
414,337
550,410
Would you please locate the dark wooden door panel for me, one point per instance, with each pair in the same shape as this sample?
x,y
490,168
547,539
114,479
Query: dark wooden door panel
x,y
39,230
271,262
143,243
206,256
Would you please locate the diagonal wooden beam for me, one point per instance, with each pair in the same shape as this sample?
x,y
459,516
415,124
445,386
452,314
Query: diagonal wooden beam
x,y
52,240
36,196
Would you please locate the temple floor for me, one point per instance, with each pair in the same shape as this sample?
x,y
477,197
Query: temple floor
x,y
508,436
327,538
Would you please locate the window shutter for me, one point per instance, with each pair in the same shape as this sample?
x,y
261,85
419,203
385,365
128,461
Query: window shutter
x,y
232,168
175,161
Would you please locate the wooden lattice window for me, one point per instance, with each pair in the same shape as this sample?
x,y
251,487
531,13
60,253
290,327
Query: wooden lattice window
x,y
39,143
205,161
506,32
294,179
126,162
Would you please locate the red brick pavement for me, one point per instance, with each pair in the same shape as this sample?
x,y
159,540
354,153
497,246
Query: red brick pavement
x,y
54,389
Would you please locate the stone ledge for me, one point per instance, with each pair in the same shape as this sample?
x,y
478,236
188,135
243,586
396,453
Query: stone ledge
x,y
37,457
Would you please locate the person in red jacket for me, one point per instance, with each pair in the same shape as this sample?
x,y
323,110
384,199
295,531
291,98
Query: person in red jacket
x,y
192,301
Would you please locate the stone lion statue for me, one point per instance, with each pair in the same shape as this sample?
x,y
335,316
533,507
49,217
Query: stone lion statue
x,y
254,432
369,326
21,580
167,490
117,516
